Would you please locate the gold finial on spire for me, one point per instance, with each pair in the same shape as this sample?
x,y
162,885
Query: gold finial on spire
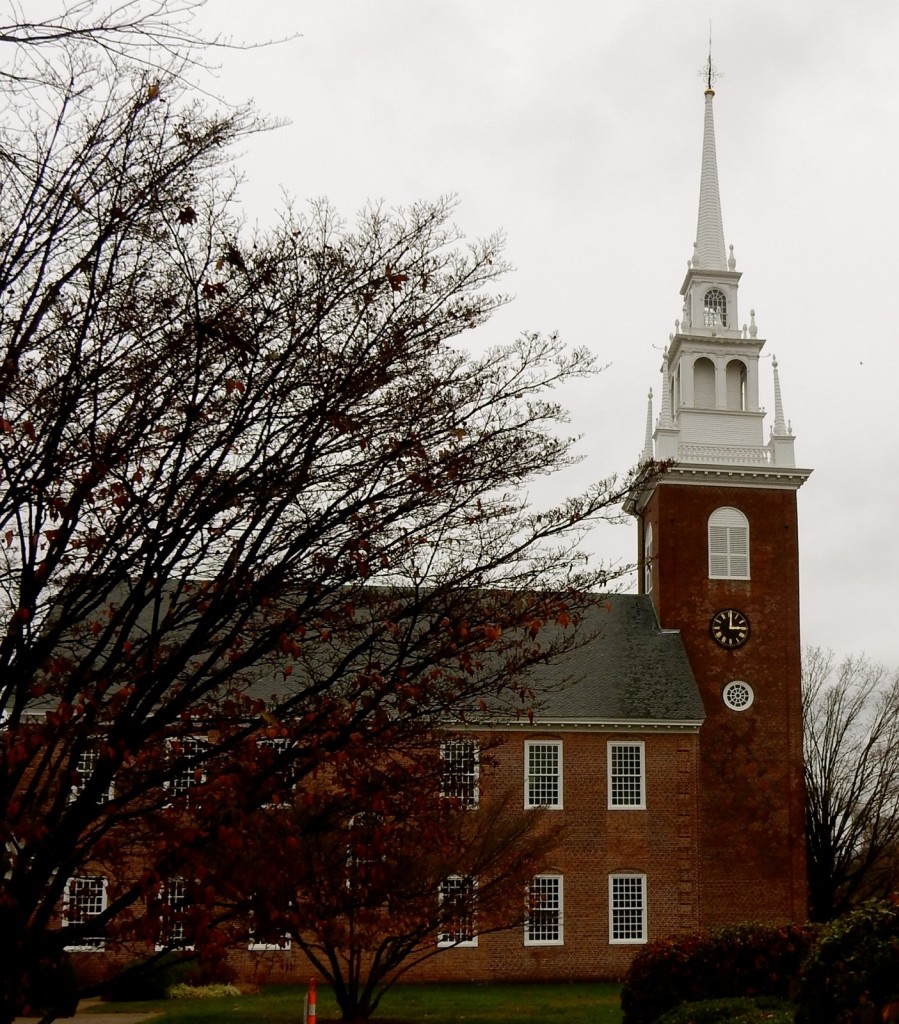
x,y
709,72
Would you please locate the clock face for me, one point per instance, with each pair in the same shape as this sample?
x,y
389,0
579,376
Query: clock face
x,y
730,628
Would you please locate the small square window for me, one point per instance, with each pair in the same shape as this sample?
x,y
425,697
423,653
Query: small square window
x,y
543,774
626,775
544,920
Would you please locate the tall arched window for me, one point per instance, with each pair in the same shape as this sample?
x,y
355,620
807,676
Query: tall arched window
x,y
736,385
704,384
715,308
728,545
647,559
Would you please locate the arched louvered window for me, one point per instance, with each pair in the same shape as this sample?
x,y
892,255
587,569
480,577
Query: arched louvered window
x,y
704,384
735,376
728,545
715,308
647,559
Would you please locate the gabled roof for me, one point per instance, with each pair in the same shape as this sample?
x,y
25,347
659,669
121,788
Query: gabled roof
x,y
630,673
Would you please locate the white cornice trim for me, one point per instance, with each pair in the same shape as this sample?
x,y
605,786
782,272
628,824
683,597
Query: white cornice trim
x,y
688,725
787,478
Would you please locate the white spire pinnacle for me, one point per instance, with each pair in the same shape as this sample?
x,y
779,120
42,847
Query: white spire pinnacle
x,y
665,418
709,246
647,455
780,424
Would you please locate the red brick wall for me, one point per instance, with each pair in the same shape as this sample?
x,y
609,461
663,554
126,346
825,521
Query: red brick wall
x,y
661,842
751,789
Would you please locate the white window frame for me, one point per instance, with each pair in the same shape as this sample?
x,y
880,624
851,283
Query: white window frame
x,y
183,791
714,308
738,695
728,531
635,882
87,763
173,897
626,777
532,780
448,939
89,943
556,883
461,772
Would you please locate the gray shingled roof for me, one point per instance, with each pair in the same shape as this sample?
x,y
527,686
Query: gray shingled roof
x,y
630,671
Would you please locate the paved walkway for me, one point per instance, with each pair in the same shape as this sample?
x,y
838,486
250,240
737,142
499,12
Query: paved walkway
x,y
97,1018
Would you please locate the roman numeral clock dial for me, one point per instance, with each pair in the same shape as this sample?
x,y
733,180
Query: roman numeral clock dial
x,y
730,628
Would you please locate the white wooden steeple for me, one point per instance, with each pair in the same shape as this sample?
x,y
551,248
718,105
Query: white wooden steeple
x,y
710,413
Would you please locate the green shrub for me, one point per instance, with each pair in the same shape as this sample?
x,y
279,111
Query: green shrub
x,y
765,1010
202,991
853,969
747,960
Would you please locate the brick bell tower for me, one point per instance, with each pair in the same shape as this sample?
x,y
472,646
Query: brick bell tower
x,y
719,555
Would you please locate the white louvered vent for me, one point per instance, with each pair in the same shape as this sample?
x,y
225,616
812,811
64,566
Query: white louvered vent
x,y
728,544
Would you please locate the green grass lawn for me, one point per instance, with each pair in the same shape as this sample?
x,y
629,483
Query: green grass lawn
x,y
417,1004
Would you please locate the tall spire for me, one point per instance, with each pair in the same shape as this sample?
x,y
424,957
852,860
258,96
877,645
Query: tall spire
x,y
708,251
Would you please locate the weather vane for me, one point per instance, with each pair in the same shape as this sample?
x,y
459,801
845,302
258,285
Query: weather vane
x,y
709,72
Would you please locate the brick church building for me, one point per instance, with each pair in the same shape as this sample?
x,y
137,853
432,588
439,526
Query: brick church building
x,y
673,753
675,756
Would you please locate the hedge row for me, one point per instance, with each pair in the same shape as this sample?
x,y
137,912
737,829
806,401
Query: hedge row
x,y
846,972
748,960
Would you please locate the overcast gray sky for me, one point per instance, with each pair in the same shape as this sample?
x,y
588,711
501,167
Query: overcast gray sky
x,y
576,126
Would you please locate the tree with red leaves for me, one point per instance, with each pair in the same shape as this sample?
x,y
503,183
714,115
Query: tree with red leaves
x,y
259,503
389,859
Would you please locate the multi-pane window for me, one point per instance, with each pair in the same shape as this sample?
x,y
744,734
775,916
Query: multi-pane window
x,y
728,544
88,760
460,772
187,753
715,308
458,910
543,774
172,904
84,898
544,920
626,775
627,908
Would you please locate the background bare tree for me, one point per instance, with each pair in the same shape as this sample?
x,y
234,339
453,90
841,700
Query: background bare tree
x,y
851,723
